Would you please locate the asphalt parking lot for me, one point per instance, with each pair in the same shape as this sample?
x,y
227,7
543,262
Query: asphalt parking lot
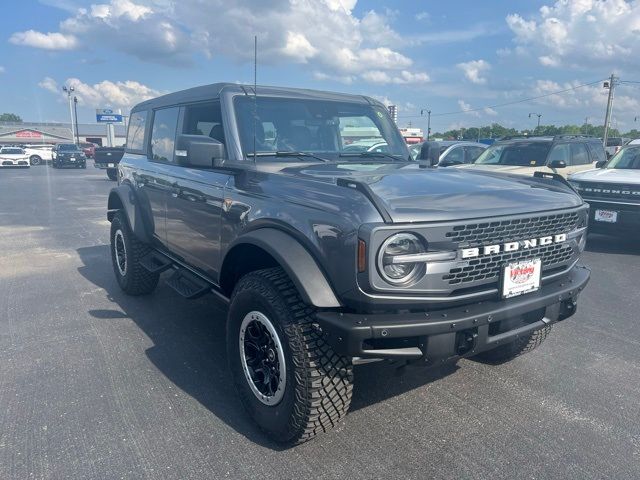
x,y
95,384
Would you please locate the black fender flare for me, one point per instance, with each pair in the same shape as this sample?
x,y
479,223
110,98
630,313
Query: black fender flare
x,y
302,268
124,198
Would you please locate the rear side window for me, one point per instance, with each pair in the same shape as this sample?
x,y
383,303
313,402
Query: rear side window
x,y
135,134
614,142
163,134
579,154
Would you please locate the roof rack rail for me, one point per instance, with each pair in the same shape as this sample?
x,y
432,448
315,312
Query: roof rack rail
x,y
572,135
511,137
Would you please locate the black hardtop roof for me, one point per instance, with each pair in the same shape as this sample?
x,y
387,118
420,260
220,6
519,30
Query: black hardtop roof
x,y
213,91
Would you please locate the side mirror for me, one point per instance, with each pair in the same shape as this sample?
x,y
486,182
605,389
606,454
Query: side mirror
x,y
429,154
601,163
558,164
199,151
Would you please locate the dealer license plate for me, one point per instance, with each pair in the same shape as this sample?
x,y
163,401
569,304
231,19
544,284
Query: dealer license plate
x,y
608,216
521,277
111,165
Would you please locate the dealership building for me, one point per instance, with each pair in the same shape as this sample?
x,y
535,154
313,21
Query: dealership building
x,y
52,133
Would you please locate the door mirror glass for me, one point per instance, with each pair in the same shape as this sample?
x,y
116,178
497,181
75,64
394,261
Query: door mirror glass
x,y
558,164
430,153
601,164
199,151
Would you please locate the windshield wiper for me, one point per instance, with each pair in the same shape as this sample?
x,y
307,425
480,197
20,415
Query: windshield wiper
x,y
372,154
288,154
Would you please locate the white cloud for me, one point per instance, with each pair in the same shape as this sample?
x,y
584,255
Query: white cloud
x,y
340,43
586,99
46,41
464,106
475,70
602,33
124,94
490,111
422,16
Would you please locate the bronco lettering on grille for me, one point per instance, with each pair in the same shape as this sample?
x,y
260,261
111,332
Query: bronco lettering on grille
x,y
513,246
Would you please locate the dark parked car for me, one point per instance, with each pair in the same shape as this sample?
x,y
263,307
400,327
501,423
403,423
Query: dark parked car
x,y
328,258
68,155
107,158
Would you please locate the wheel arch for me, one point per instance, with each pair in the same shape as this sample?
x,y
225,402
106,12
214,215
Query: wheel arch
x,y
122,198
268,247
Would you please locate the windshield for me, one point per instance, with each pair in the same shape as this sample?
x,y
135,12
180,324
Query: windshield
x,y
326,129
626,159
614,142
522,154
12,150
67,147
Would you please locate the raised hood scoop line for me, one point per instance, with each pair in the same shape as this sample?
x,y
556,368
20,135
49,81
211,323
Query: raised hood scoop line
x,y
365,189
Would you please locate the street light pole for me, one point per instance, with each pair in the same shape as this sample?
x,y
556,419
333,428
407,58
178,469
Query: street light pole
x,y
428,123
69,91
537,115
75,111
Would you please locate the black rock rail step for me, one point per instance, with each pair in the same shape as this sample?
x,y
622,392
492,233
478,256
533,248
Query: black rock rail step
x,y
188,285
155,262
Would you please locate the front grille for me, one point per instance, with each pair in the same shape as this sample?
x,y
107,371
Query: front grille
x,y
489,233
611,191
489,268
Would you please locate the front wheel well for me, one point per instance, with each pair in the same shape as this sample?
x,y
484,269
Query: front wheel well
x,y
241,260
114,204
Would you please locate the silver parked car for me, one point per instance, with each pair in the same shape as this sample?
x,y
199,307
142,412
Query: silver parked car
x,y
453,152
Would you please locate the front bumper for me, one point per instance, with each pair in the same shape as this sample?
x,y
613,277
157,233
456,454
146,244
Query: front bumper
x,y
441,335
628,218
15,163
67,162
106,166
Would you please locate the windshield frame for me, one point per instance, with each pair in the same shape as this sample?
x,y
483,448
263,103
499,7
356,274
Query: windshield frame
x,y
378,114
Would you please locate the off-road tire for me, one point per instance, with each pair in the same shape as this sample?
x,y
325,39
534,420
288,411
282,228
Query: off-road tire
x,y
35,160
518,347
136,279
112,173
319,382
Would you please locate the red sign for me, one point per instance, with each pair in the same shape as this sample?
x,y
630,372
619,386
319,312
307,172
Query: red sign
x,y
28,134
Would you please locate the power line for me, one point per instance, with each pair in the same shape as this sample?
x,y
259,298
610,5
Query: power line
x,y
499,105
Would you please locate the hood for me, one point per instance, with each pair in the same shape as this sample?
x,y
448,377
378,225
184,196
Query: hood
x,y
412,194
608,175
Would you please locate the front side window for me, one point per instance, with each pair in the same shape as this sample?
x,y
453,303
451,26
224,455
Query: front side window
x,y
326,129
204,119
454,157
135,134
579,154
627,159
561,153
163,134
597,150
522,154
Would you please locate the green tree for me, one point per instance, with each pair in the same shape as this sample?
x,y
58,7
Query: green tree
x,y
10,117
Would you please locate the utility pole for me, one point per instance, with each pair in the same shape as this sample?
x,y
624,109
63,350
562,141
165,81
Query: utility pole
x,y
69,92
75,111
428,123
607,118
586,125
537,115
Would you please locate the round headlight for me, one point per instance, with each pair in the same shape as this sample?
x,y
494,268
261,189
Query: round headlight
x,y
392,266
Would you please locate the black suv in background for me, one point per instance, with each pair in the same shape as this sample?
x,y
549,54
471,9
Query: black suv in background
x,y
525,155
327,257
68,155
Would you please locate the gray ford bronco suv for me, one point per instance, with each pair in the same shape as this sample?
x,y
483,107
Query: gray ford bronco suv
x,y
328,258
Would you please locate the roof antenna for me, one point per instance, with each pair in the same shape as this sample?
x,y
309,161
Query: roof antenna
x,y
255,93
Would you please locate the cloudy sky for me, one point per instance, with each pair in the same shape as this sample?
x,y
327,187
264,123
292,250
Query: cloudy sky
x,y
460,59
